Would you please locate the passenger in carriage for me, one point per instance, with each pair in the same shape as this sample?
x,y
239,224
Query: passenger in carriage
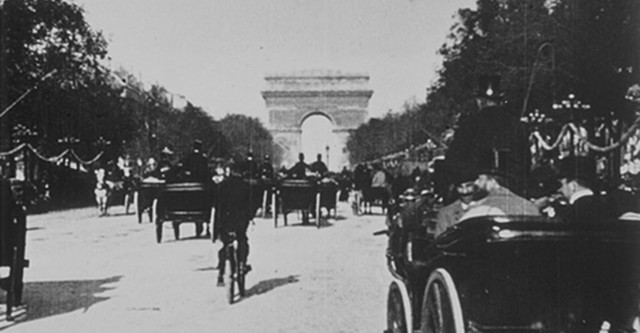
x,y
465,189
319,167
494,198
299,170
577,179
250,168
195,165
164,169
266,168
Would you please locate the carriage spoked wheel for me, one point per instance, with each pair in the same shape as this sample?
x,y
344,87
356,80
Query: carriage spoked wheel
x,y
441,310
274,208
136,206
158,221
176,230
317,210
398,320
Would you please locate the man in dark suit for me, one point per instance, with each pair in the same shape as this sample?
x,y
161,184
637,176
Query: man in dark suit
x,y
318,166
195,165
299,170
233,214
577,177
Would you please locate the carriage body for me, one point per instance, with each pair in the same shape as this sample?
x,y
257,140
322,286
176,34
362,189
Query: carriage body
x,y
296,195
183,202
329,196
13,230
144,195
520,274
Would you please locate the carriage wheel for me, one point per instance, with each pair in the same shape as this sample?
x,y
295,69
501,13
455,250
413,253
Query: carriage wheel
x,y
176,230
158,232
398,320
274,209
441,310
265,195
136,206
317,208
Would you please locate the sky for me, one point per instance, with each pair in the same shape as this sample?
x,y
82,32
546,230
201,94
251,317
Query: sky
x,y
216,53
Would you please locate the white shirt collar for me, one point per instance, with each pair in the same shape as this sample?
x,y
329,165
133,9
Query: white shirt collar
x,y
579,194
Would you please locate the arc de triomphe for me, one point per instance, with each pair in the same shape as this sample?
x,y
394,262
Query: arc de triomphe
x,y
293,99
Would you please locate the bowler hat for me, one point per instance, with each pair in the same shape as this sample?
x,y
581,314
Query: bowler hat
x,y
578,167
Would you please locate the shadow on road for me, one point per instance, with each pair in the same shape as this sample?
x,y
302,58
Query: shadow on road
x,y
51,298
268,285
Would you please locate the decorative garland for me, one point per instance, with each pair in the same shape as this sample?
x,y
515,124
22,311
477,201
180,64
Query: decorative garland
x,y
53,159
572,127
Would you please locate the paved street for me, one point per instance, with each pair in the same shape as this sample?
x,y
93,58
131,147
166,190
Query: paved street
x,y
91,274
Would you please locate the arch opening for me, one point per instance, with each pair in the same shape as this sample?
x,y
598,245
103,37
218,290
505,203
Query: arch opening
x,y
317,138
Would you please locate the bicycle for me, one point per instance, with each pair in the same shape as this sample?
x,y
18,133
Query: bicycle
x,y
237,270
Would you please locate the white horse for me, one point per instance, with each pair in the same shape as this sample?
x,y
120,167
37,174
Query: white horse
x,y
101,191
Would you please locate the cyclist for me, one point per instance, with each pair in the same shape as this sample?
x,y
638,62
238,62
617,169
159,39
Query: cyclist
x,y
233,214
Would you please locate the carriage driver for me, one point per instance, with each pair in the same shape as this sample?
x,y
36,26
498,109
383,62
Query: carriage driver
x,y
233,214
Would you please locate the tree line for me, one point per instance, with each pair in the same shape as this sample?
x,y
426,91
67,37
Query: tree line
x,y
58,92
543,50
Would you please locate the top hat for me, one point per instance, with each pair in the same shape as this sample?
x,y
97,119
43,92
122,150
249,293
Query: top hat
x,y
489,87
578,167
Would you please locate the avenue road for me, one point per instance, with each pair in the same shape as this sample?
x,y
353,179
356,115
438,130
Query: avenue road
x,y
108,274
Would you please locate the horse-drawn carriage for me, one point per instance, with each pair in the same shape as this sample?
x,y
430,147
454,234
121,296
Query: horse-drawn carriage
x,y
296,195
183,202
144,195
13,230
513,274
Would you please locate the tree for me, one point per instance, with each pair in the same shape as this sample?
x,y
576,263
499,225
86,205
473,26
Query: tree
x,y
246,134
50,38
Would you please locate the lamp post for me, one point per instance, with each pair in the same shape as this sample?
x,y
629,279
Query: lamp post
x,y
326,148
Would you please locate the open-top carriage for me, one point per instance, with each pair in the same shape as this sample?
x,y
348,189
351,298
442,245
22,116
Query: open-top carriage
x,y
13,230
144,195
514,274
328,189
183,202
296,195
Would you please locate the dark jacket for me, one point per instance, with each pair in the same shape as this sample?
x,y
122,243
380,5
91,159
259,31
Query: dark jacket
x,y
233,208
592,208
195,167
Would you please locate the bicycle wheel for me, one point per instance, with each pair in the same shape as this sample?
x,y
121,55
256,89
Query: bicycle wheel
x,y
231,259
241,278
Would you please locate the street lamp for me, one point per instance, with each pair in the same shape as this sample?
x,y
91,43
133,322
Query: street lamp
x,y
327,152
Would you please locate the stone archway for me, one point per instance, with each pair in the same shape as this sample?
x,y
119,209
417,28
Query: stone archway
x,y
292,99
316,137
